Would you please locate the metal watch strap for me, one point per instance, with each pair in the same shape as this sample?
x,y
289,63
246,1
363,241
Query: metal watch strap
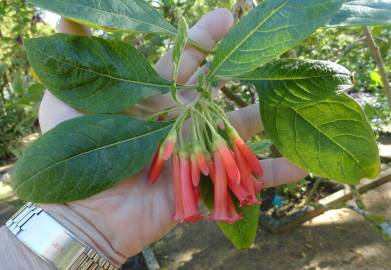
x,y
52,242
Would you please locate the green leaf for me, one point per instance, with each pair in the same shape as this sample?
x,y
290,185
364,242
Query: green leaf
x,y
292,81
376,78
114,15
261,146
312,123
363,13
17,83
32,97
179,46
267,31
242,234
84,156
93,74
330,137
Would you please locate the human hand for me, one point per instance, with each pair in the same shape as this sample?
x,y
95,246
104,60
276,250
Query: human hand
x,y
119,222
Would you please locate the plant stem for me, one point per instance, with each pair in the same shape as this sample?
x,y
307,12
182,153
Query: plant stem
x,y
167,110
348,48
314,189
357,200
241,7
379,62
232,96
199,47
187,86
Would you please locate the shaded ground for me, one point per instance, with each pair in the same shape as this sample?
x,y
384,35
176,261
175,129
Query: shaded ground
x,y
338,239
378,201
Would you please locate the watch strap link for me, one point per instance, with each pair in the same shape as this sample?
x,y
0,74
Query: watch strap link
x,y
52,242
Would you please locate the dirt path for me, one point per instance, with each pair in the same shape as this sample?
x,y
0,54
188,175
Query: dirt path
x,y
338,239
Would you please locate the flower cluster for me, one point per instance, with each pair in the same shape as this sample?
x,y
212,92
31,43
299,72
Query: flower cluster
x,y
215,150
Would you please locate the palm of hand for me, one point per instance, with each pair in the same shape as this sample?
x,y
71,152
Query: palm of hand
x,y
133,213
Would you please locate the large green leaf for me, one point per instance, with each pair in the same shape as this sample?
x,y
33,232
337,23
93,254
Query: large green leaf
x,y
292,81
330,137
267,31
242,234
84,156
113,15
93,74
362,13
312,122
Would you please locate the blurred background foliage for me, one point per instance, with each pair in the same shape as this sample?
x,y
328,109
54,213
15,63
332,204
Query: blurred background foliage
x,y
20,92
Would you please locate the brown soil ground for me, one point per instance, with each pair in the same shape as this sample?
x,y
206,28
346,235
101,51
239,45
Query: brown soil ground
x,y
338,239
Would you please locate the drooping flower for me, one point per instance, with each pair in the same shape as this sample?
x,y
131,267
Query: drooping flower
x,y
169,144
228,161
223,210
201,160
190,206
156,166
248,181
220,211
232,213
246,152
176,177
195,171
240,193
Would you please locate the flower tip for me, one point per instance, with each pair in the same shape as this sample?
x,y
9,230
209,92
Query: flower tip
x,y
168,150
194,218
195,172
225,218
259,185
201,161
250,201
156,168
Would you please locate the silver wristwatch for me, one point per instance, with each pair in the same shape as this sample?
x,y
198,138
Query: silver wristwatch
x,y
52,242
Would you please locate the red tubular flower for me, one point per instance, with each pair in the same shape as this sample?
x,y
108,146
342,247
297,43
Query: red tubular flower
x,y
229,162
258,184
197,194
190,208
232,213
195,171
247,153
220,210
237,189
201,160
179,214
247,179
156,166
169,145
211,166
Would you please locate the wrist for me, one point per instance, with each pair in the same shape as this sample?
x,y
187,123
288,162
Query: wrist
x,y
15,255
86,231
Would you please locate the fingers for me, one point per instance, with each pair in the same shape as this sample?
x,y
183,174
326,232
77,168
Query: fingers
x,y
280,171
207,32
69,27
53,111
247,121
